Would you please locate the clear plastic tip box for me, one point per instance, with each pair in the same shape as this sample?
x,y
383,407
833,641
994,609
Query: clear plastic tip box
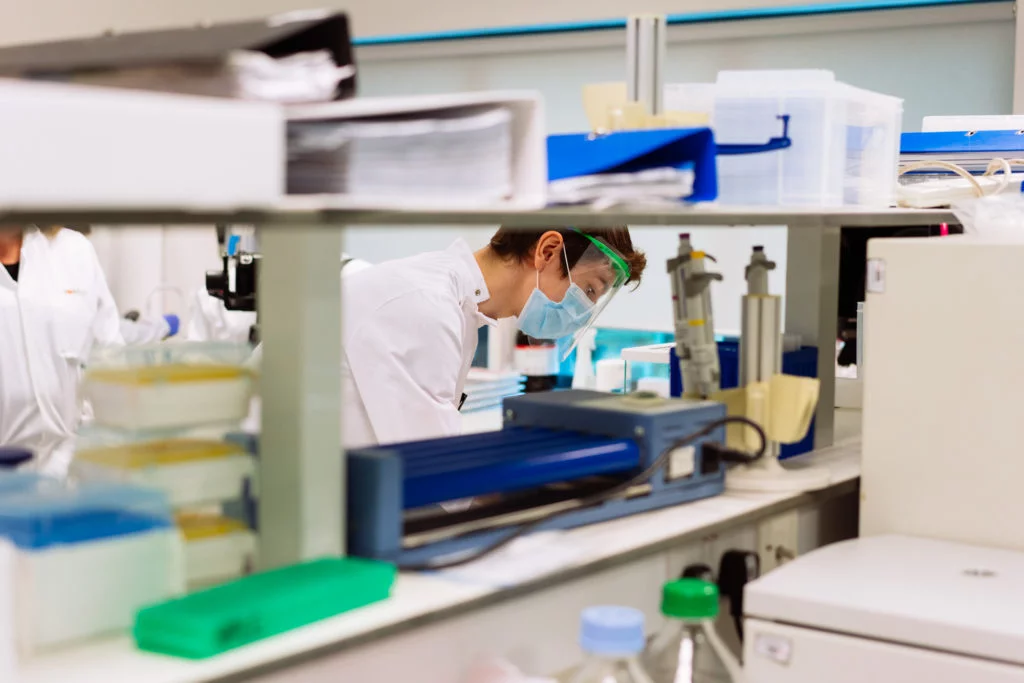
x,y
79,561
169,386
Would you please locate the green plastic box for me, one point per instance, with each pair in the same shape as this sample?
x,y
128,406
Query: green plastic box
x,y
213,621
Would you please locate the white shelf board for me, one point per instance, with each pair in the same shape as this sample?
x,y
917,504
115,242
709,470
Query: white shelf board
x,y
308,211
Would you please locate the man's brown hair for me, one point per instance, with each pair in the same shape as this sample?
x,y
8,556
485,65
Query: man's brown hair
x,y
518,244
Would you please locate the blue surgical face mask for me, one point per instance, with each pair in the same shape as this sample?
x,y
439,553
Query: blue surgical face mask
x,y
542,318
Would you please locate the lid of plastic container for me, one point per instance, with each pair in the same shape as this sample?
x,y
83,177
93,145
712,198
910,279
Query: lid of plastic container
x,y
11,456
612,631
37,511
689,599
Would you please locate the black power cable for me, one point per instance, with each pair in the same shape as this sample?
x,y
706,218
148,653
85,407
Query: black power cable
x,y
643,477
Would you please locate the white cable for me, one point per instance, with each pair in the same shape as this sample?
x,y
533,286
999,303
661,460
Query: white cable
x,y
992,170
959,170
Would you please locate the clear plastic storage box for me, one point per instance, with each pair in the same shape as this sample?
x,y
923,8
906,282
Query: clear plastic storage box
x,y
191,471
83,558
169,386
845,140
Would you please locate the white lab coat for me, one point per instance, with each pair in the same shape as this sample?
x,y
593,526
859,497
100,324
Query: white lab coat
x,y
49,321
409,335
210,320
349,266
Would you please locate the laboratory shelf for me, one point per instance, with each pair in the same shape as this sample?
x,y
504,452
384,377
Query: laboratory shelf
x,y
304,212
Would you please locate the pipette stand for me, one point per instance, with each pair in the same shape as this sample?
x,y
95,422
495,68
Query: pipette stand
x,y
760,362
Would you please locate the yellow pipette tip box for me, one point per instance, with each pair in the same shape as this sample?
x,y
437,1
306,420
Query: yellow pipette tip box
x,y
189,471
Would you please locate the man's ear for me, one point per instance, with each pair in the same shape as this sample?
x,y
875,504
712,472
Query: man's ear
x,y
548,248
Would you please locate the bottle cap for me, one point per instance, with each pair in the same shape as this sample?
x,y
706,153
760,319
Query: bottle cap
x,y
689,599
612,631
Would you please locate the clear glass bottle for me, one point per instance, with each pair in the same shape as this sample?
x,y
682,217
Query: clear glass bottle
x,y
612,638
687,649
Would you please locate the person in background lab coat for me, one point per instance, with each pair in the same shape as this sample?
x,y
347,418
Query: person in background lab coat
x,y
54,306
410,326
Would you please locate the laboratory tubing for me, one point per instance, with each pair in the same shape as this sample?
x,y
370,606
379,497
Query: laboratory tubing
x,y
613,639
687,649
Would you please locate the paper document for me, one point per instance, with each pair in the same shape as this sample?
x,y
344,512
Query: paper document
x,y
459,154
651,184
244,74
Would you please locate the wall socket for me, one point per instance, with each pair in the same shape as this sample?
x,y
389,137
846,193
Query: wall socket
x,y
777,540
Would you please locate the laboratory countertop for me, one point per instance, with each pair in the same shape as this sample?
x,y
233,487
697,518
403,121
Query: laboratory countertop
x,y
296,211
419,599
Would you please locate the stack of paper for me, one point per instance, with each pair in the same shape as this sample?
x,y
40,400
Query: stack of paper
x,y
459,154
244,74
487,389
668,184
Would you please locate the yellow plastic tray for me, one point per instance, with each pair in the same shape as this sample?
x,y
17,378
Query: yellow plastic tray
x,y
169,373
156,453
196,527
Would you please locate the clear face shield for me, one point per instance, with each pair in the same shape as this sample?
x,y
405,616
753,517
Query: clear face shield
x,y
595,278
599,274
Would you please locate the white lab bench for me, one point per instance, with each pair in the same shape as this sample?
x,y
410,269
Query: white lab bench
x,y
432,626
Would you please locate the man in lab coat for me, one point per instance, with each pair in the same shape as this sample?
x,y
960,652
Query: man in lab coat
x,y
410,325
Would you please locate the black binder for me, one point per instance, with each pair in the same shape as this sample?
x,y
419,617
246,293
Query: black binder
x,y
278,36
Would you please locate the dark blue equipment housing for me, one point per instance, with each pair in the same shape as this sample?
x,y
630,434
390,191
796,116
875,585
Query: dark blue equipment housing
x,y
550,441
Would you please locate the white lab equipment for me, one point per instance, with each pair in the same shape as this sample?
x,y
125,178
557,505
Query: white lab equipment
x,y
49,321
583,376
888,609
612,638
610,375
941,436
760,363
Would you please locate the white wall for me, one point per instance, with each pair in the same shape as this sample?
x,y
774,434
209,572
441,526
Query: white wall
x,y
21,21
138,260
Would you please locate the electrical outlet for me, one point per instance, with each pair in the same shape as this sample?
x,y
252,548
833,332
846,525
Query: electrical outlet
x,y
777,540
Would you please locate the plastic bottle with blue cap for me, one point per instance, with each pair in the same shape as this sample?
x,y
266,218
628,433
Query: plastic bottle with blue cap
x,y
612,638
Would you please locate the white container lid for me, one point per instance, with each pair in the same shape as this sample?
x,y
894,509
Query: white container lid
x,y
921,592
778,78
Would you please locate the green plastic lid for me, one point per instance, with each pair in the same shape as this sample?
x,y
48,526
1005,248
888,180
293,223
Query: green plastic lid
x,y
689,599
218,619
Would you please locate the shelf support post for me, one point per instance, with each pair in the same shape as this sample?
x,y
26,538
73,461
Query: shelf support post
x,y
302,491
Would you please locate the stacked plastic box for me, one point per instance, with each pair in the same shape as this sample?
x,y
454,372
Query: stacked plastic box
x,y
161,415
78,560
845,140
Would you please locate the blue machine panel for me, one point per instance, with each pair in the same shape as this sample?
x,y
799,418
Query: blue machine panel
x,y
549,438
501,462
